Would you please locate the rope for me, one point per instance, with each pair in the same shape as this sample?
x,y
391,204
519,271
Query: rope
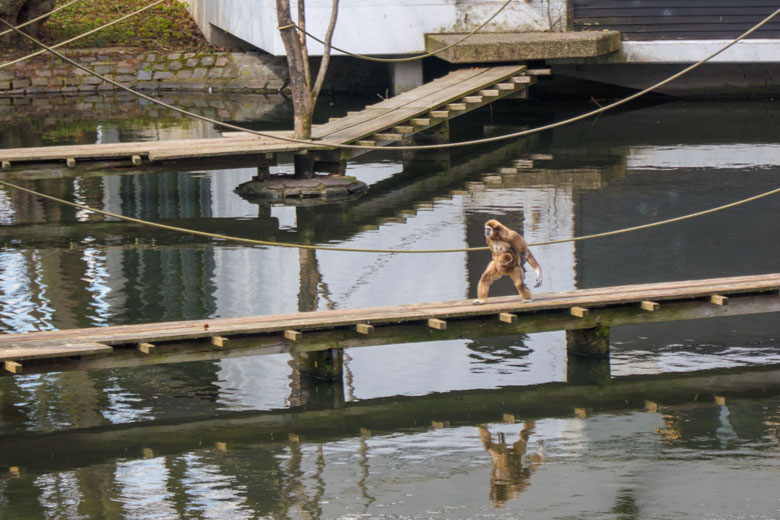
x,y
408,58
391,251
41,17
45,48
416,147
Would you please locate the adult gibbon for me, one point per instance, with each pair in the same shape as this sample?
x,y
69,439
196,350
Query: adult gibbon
x,y
509,250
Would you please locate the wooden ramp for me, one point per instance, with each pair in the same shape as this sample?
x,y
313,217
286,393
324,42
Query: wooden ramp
x,y
132,345
389,121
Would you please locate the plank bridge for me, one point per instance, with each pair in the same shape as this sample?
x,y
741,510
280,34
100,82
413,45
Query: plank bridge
x,y
317,339
423,110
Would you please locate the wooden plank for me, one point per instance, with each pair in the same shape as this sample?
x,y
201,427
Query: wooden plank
x,y
292,335
55,343
145,348
364,328
20,351
649,306
507,317
219,341
579,312
437,324
719,299
13,367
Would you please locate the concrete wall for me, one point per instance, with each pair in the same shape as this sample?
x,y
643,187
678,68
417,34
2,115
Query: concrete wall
x,y
372,26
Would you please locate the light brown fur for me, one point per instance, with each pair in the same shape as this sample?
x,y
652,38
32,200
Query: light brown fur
x,y
509,250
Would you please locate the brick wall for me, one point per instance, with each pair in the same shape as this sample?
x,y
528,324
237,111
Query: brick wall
x,y
179,71
147,71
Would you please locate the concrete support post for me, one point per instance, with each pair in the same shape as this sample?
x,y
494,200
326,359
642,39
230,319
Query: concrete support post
x,y
304,166
317,380
589,342
588,359
406,76
327,365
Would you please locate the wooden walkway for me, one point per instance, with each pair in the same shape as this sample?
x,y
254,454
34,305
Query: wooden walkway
x,y
389,121
132,345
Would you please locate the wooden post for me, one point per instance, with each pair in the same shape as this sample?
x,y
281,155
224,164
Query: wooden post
x,y
588,342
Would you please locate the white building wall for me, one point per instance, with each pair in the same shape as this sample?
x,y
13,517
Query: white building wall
x,y
376,27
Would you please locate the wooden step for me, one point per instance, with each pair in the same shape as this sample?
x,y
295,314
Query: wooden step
x,y
388,137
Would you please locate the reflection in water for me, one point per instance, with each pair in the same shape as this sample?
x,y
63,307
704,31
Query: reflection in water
x,y
511,475
197,440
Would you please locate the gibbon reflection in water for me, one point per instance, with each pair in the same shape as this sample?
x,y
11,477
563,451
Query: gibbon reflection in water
x,y
510,476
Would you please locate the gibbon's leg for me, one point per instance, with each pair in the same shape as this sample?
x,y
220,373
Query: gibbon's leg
x,y
536,267
517,277
490,275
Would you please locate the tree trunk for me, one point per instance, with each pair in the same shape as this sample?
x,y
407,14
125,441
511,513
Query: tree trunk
x,y
17,12
303,105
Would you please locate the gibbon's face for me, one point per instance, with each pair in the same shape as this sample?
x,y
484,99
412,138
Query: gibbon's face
x,y
488,231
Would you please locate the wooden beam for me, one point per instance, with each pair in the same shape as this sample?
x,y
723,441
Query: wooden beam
x,y
146,348
489,93
366,142
218,341
292,335
506,86
521,79
472,100
13,367
539,72
437,324
440,114
455,107
136,160
420,121
404,129
6,165
579,312
650,306
388,137
507,317
70,162
719,299
364,328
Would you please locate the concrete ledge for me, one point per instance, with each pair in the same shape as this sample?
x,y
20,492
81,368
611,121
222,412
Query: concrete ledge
x,y
498,47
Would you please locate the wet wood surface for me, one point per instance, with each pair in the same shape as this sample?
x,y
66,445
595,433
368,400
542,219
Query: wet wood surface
x,y
405,323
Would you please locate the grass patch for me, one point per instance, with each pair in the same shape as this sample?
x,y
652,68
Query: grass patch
x,y
166,27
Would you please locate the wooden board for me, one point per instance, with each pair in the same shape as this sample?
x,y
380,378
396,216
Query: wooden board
x,y
56,350
85,341
375,118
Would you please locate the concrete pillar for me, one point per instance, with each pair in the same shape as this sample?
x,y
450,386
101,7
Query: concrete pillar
x,y
317,380
327,365
587,370
589,342
304,166
406,76
588,359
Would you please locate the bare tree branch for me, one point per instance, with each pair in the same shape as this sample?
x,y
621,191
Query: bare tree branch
x,y
326,51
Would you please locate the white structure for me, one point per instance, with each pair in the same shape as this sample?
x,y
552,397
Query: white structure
x,y
375,27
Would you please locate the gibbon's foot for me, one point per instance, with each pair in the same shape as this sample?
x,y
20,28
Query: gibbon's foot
x,y
478,302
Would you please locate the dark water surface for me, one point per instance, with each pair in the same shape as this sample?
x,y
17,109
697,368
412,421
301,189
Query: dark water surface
x,y
468,428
